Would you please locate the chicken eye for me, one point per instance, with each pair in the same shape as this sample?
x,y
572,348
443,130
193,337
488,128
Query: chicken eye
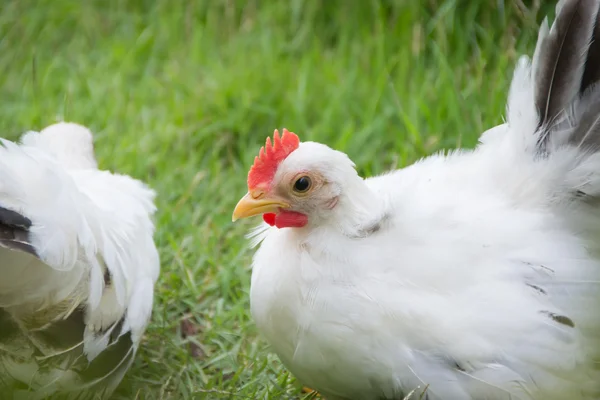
x,y
302,184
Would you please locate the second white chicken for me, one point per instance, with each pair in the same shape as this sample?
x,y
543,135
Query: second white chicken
x,y
78,266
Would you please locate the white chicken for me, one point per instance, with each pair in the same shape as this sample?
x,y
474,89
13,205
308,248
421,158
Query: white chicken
x,y
470,275
78,266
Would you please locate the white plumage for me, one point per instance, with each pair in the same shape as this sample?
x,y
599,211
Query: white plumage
x,y
473,273
78,266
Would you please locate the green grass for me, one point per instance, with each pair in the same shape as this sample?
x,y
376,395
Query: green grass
x,y
183,94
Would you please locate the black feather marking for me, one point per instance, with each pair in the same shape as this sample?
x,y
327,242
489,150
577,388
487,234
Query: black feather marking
x,y
107,278
14,231
13,219
582,197
535,266
561,319
458,367
560,67
536,288
591,74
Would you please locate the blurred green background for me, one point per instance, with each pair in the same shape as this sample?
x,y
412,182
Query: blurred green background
x,y
182,94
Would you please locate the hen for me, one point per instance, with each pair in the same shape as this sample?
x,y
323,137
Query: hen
x,y
470,275
78,266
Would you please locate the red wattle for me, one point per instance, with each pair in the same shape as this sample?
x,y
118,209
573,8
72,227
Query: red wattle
x,y
286,219
290,219
269,218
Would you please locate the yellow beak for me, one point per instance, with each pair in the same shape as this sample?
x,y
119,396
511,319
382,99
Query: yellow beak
x,y
252,204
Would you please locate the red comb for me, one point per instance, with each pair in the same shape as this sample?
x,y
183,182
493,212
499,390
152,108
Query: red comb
x,y
265,164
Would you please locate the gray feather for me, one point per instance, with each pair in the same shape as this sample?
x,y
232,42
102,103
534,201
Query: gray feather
x,y
560,60
591,74
567,85
585,121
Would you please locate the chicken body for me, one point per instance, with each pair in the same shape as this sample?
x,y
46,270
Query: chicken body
x,y
78,266
469,282
470,275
